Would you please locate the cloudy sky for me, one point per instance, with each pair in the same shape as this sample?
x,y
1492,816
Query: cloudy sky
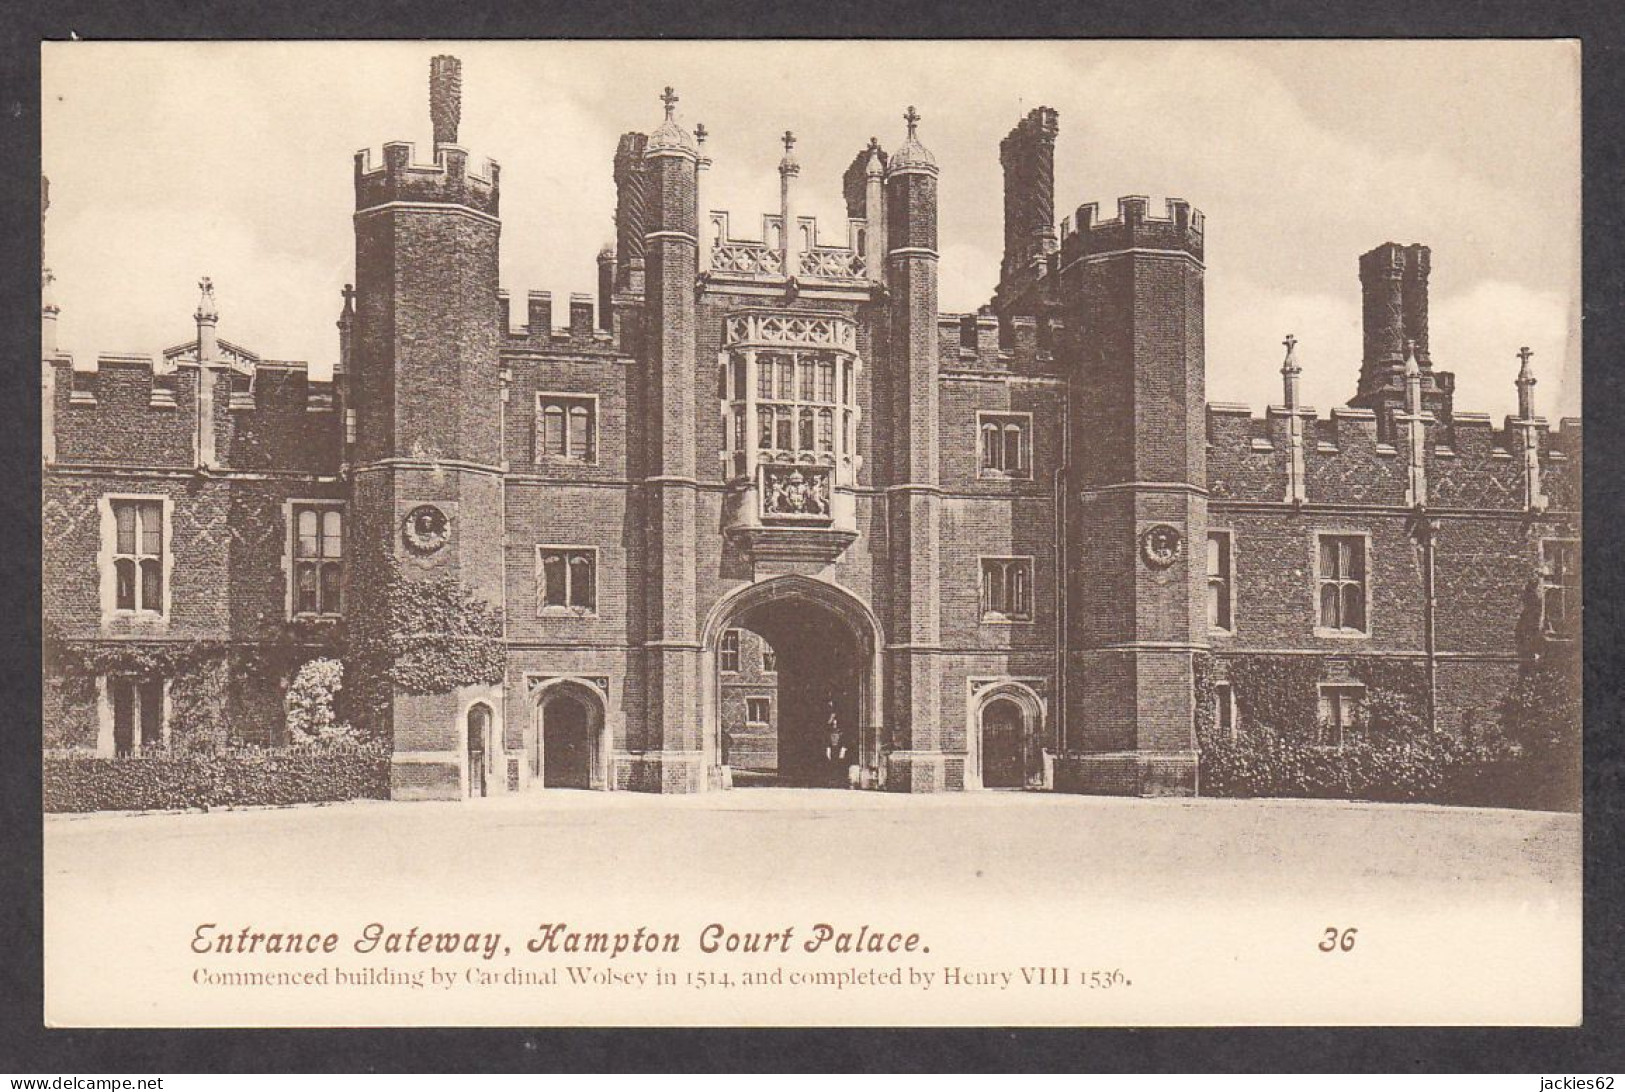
x,y
170,161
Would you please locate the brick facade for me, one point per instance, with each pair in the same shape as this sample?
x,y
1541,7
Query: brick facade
x,y
922,515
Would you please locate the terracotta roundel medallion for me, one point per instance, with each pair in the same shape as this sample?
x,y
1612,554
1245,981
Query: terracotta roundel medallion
x,y
426,529
1160,545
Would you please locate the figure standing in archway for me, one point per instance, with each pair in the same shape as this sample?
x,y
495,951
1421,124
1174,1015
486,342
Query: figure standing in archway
x,y
835,751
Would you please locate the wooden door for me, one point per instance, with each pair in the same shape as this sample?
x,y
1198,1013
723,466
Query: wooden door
x,y
1003,746
566,745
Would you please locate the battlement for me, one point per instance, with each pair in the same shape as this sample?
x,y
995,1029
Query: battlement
x,y
983,341
1470,463
131,409
131,381
1086,234
538,332
447,181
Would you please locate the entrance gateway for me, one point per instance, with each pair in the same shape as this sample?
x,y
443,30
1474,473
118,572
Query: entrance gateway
x,y
793,686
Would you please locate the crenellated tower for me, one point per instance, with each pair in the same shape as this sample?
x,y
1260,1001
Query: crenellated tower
x,y
1132,297
426,469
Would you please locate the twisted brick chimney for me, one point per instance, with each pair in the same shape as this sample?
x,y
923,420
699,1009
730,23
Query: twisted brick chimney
x,y
445,97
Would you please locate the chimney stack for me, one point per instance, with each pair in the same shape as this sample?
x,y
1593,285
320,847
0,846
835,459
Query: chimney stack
x,y
1028,157
445,97
1394,291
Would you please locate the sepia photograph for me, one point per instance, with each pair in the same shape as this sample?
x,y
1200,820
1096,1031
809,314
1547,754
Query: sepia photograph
x,y
811,533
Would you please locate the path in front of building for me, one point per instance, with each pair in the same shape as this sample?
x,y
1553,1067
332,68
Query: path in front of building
x,y
769,841
1152,883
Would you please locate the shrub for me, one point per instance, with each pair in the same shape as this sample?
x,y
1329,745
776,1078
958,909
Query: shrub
x,y
200,696
1433,767
170,779
310,701
1542,712
1521,759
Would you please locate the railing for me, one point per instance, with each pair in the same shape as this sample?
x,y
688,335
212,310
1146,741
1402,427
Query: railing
x,y
746,258
832,262
757,258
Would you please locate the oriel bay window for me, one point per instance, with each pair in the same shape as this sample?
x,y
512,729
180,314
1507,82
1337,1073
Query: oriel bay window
x,y
795,406
789,393
318,559
567,579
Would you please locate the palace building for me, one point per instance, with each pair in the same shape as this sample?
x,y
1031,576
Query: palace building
x,y
755,494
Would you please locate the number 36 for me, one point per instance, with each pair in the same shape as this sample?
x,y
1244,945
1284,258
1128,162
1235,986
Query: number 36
x,y
1337,940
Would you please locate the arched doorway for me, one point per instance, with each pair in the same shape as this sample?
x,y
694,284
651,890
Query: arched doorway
x,y
810,721
1004,763
1005,724
567,746
479,749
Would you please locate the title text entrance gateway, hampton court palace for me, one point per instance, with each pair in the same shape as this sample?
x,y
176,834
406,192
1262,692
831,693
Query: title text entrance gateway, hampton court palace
x,y
755,512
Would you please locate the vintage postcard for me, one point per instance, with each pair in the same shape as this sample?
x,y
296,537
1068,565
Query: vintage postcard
x,y
811,533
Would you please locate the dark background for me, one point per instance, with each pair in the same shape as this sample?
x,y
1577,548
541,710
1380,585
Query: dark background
x,y
26,1048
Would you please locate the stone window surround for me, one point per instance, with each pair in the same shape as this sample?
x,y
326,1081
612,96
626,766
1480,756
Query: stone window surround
x,y
1229,577
1315,536
105,744
290,553
1344,690
1003,417
563,398
994,618
108,576
1547,585
1224,702
543,608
